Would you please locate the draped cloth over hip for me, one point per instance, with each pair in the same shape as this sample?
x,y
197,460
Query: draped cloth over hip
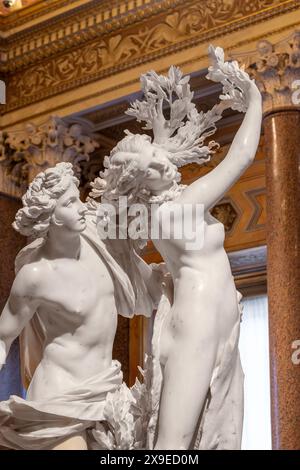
x,y
42,424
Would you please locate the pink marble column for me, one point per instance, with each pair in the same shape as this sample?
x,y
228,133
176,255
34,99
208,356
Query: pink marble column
x,y
282,144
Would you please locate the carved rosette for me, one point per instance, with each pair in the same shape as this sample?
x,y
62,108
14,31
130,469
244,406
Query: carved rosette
x,y
276,68
26,152
226,213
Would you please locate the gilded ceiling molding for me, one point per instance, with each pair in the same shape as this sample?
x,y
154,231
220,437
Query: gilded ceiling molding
x,y
276,69
36,11
73,28
129,45
26,152
13,6
84,22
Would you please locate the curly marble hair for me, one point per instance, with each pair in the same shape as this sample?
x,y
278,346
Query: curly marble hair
x,y
123,175
39,201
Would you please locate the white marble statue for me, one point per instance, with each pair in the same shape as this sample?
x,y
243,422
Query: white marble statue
x,y
64,303
200,394
71,283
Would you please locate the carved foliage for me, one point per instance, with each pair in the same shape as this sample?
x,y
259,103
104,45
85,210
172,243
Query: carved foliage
x,y
275,67
25,152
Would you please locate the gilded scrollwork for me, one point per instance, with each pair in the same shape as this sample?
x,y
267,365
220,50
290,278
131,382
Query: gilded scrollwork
x,y
127,46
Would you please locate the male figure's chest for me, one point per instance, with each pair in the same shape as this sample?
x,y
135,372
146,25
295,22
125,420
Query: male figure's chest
x,y
78,286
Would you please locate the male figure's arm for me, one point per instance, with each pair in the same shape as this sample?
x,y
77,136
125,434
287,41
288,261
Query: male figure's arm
x,y
19,309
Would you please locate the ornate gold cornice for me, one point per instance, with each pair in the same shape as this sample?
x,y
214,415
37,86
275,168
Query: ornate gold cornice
x,y
15,5
31,13
124,41
91,19
84,21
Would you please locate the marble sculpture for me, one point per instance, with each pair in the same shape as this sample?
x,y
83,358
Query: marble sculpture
x,y
72,282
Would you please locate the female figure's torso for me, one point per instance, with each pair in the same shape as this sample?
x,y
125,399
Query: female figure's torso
x,y
204,291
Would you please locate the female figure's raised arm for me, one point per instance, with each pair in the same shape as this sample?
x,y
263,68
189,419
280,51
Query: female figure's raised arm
x,y
209,189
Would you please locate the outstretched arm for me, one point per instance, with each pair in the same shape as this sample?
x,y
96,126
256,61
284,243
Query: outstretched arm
x,y
18,310
209,189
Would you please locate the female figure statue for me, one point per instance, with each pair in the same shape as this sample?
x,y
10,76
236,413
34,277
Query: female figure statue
x,y
201,396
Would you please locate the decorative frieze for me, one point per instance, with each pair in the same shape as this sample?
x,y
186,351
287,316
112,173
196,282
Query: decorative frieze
x,y
276,69
75,49
26,152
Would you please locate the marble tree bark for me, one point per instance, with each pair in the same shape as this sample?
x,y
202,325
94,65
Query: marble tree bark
x,y
276,69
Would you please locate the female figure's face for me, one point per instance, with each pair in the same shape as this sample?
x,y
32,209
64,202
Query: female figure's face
x,y
160,173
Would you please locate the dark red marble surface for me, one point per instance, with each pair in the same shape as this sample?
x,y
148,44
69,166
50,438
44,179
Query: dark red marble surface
x,y
282,140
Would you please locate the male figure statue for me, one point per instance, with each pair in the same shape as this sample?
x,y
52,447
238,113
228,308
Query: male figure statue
x,y
64,302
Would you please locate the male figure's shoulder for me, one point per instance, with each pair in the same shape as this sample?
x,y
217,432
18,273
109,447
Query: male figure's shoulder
x,y
29,278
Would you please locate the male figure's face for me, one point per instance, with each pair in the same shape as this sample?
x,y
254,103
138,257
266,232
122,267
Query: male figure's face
x,y
70,211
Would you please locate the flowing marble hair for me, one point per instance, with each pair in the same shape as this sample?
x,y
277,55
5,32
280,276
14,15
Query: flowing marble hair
x,y
123,175
39,201
179,129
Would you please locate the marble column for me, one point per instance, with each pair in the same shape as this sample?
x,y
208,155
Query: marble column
x,y
282,137
276,67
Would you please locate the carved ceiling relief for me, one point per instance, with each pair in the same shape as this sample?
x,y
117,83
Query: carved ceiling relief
x,y
96,21
129,47
227,213
26,152
275,68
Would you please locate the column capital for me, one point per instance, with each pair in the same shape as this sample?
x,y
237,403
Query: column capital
x,y
276,69
27,151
